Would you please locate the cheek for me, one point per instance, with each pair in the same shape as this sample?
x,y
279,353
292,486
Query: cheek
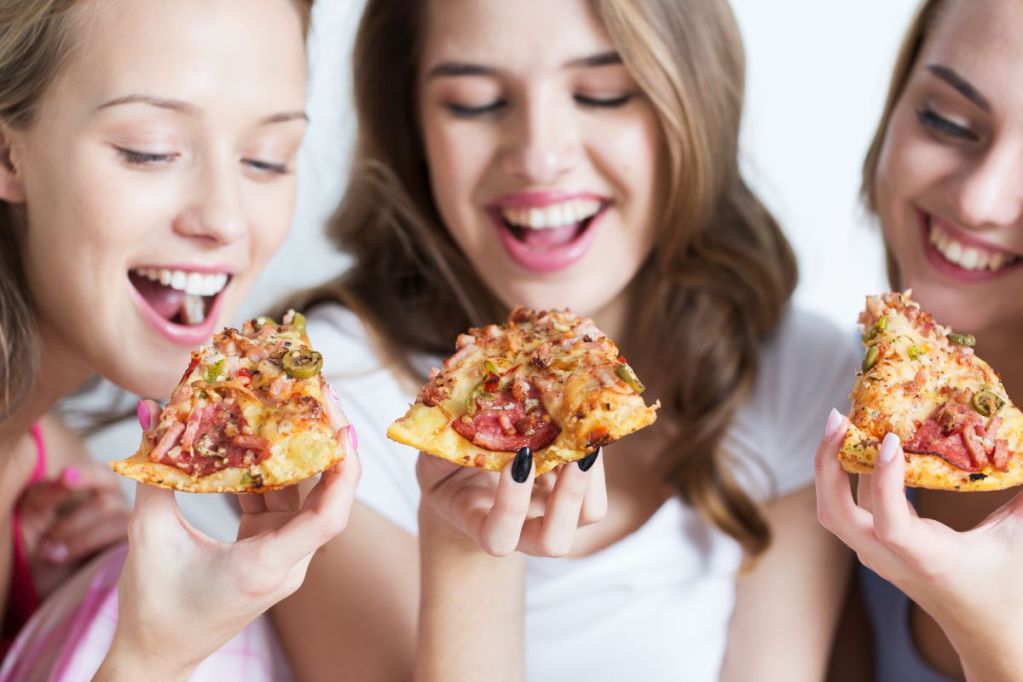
x,y
270,210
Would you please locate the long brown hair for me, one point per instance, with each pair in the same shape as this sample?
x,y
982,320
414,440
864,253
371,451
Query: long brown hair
x,y
909,51
35,41
716,283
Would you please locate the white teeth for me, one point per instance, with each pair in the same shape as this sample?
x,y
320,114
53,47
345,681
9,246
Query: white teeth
x,y
192,283
967,257
193,310
552,216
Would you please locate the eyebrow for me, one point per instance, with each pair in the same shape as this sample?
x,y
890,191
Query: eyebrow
x,y
963,86
471,69
191,110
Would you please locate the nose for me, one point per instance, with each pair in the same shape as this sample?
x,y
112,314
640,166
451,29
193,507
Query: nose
x,y
542,142
990,193
213,211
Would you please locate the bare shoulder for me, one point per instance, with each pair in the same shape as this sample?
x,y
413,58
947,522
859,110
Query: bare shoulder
x,y
64,446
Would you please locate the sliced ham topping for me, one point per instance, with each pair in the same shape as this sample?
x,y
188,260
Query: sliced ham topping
x,y
216,440
961,437
502,423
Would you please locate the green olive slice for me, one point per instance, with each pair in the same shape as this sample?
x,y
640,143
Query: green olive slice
x,y
870,359
302,363
962,339
987,403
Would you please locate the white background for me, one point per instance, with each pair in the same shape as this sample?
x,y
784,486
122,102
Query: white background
x,y
817,72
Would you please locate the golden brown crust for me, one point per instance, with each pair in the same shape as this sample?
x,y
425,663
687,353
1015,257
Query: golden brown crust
x,y
911,369
581,382
242,389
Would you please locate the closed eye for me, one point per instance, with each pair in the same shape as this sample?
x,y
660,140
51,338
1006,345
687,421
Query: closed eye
x,y
137,158
943,126
267,166
606,102
462,111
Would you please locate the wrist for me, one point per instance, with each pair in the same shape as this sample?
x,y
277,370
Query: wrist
x,y
127,661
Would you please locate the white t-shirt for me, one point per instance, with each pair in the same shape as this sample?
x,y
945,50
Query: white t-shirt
x,y
656,604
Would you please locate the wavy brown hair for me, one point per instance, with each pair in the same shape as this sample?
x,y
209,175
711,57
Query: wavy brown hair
x,y
714,286
926,16
36,39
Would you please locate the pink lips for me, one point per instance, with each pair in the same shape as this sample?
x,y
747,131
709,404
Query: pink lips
x,y
188,336
950,269
546,252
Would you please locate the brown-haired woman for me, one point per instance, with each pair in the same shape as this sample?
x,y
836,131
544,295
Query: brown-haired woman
x,y
145,156
944,176
584,155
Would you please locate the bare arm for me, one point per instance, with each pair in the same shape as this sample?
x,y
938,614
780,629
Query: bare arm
x,y
787,606
355,615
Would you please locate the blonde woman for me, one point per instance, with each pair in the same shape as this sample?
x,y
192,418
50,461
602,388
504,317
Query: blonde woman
x,y
585,155
140,136
943,175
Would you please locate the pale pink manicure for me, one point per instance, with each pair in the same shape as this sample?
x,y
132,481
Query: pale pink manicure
x,y
333,396
834,421
71,476
143,412
353,438
889,446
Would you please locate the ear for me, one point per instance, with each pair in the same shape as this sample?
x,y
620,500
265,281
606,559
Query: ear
x,y
12,186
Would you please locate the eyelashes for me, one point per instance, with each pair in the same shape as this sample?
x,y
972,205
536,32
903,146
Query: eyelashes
x,y
498,105
152,160
943,127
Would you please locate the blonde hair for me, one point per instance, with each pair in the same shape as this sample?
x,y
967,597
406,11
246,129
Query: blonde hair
x,y
924,19
716,283
35,42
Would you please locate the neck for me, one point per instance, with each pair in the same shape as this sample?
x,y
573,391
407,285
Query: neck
x,y
611,318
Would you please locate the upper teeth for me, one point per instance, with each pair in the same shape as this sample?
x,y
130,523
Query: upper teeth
x,y
194,283
966,256
553,215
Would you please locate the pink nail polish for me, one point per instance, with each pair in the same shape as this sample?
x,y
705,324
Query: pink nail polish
x,y
353,438
71,476
834,421
143,412
333,395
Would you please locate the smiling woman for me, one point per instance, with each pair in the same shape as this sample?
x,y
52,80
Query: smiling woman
x,y
146,154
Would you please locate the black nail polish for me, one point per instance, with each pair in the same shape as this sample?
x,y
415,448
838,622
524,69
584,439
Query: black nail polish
x,y
522,464
586,462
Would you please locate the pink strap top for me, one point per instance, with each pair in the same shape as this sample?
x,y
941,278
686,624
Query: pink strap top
x,y
22,597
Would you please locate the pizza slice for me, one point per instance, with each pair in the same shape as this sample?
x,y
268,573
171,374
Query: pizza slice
x,y
958,427
547,380
249,415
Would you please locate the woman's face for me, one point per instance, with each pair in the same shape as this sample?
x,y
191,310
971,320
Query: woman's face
x,y
950,177
158,178
542,151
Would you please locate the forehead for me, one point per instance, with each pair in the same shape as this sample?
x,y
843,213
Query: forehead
x,y
526,35
193,50
981,40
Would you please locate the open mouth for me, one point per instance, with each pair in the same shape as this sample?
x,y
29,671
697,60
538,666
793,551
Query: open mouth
x,y
549,237
181,297
958,254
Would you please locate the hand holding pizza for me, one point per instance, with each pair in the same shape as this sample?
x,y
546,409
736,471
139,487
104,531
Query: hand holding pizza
x,y
513,510
183,594
967,581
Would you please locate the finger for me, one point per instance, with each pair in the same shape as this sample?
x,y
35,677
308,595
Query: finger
x,y
560,522
92,511
335,415
251,503
836,509
94,537
863,495
324,515
595,500
88,478
892,519
148,412
499,528
40,501
284,500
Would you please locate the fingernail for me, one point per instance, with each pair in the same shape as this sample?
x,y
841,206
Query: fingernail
x,y
889,446
71,476
522,465
834,421
55,552
333,396
586,462
353,437
143,412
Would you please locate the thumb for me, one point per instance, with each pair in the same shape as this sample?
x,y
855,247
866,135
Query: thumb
x,y
154,502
